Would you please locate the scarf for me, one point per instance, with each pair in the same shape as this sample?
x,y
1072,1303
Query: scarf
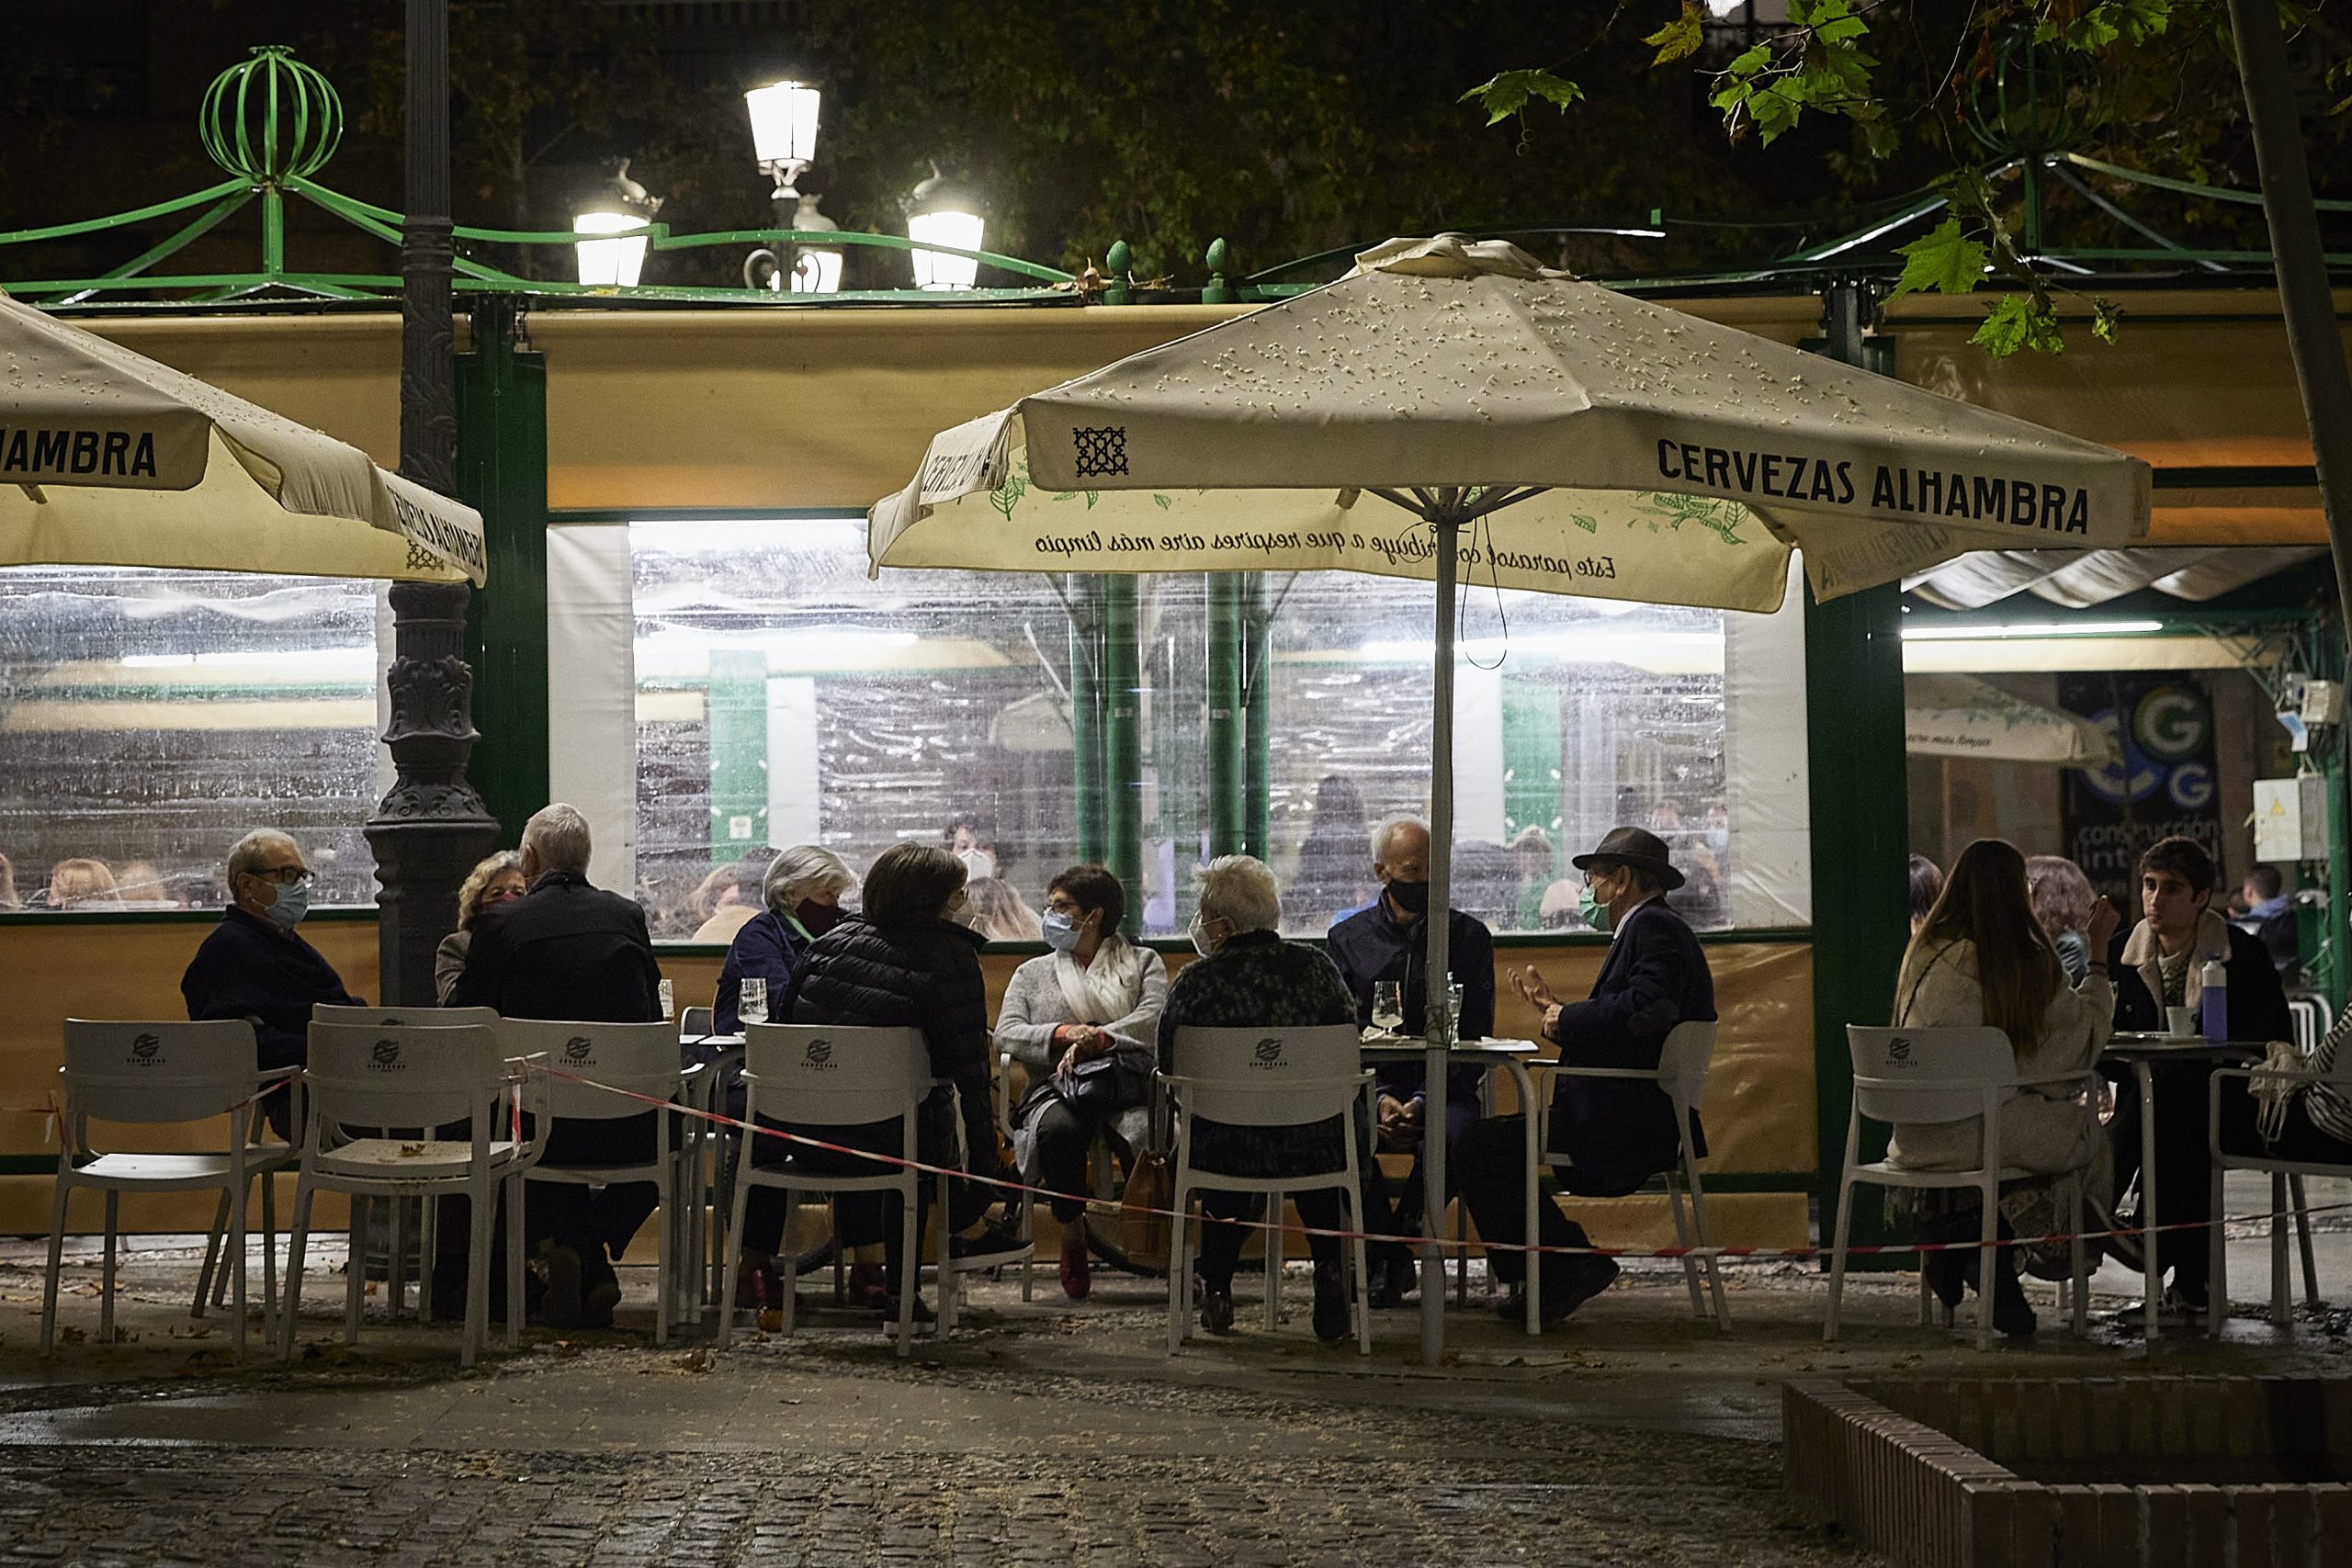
x,y
2141,953
1105,989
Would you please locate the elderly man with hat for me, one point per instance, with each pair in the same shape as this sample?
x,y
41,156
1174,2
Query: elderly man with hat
x,y
1614,1134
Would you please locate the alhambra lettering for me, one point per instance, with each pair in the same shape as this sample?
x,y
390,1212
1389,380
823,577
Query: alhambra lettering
x,y
53,453
1922,493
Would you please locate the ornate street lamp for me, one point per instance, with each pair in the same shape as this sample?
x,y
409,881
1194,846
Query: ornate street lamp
x,y
941,212
783,140
620,205
816,269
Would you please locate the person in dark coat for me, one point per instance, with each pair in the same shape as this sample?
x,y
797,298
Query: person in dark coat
x,y
1248,977
1390,942
905,962
570,950
801,898
1617,1134
255,965
2160,964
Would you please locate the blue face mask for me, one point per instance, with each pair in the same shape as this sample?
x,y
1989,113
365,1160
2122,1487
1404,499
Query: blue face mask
x,y
293,903
1061,931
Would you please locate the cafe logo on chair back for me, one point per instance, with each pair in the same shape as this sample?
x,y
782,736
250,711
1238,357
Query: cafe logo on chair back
x,y
1898,1051
820,1055
144,1050
1268,1053
385,1057
578,1048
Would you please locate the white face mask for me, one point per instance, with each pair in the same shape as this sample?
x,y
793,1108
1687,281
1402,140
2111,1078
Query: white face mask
x,y
1199,931
978,863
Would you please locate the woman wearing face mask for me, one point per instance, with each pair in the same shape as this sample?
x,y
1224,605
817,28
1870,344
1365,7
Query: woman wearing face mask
x,y
802,892
1084,1020
493,884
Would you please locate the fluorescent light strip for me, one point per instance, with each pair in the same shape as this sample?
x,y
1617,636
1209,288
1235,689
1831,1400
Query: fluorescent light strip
x,y
2030,629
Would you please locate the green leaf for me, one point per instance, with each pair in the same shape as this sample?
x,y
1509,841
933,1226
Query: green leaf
x,y
1943,260
1508,92
1679,38
2016,322
2107,317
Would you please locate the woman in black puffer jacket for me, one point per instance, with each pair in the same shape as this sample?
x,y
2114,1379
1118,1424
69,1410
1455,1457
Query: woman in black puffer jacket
x,y
906,962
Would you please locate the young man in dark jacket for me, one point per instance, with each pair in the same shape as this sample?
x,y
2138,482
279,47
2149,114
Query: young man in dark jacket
x,y
2162,964
906,962
569,950
1618,1133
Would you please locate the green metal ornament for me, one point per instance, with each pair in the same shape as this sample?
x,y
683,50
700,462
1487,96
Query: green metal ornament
x,y
270,119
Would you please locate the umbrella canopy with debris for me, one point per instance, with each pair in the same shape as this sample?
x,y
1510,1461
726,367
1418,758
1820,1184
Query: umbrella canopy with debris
x,y
111,459
1960,715
1451,408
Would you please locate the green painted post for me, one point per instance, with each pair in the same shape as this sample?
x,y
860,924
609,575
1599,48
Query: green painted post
x,y
1859,815
1257,692
1118,267
737,714
1086,713
272,231
1227,725
1217,291
1122,733
502,474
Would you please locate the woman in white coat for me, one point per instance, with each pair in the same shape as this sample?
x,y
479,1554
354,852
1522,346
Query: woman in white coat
x,y
1084,1020
1981,958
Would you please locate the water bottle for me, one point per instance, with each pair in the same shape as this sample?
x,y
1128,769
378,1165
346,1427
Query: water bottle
x,y
669,1000
2213,1004
752,1006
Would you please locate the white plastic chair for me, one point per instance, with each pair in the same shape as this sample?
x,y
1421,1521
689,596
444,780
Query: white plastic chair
x,y
818,1075
424,1078
426,1215
1927,1076
2286,1199
154,1074
1682,1063
1269,1078
641,1058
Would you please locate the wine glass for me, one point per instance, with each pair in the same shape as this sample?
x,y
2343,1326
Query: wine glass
x,y
1388,1006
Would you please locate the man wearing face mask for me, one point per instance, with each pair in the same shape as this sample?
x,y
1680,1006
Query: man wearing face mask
x,y
1616,1133
255,965
1389,942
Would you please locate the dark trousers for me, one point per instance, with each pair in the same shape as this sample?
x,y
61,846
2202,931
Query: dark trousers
x,y
1065,1136
863,1219
593,1221
1402,1217
1489,1164
1221,1240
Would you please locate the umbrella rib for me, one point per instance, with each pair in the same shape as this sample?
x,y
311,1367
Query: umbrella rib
x,y
1398,500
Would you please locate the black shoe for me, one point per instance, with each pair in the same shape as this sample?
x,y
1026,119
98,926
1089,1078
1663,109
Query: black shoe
x,y
1946,1277
1387,1289
1216,1306
999,1240
1332,1319
1568,1286
2012,1315
561,1306
923,1313
599,1291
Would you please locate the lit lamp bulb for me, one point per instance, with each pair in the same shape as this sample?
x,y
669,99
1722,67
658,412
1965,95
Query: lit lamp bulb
x,y
942,213
621,205
784,128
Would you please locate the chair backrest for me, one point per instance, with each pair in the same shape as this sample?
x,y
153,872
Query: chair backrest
x,y
1683,1060
404,1018
696,1022
2311,1019
154,1071
403,1076
1925,1075
819,1075
1272,1076
643,1058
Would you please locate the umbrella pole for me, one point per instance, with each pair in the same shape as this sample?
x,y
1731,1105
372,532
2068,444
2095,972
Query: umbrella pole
x,y
1438,1022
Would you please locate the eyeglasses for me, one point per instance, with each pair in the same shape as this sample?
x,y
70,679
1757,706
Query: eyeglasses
x,y
286,875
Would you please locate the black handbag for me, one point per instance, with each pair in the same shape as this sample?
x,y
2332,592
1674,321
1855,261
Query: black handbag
x,y
1103,1085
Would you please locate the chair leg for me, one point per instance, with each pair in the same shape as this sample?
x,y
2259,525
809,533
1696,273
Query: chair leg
x,y
516,1313
664,1199
1682,1239
1360,1288
236,1262
1029,1235
1180,1271
483,1213
1706,1241
428,1246
205,1276
909,1267
2281,1272
355,1269
1987,1259
300,1233
944,1323
269,1251
730,1259
1838,1259
1277,1243
106,1284
2304,1240
2078,1265
56,1266
840,1253
790,1304
2216,1262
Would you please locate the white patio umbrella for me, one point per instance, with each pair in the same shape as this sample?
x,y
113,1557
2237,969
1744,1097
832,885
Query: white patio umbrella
x,y
1960,715
1517,426
109,458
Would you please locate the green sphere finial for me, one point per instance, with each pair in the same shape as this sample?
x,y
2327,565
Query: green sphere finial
x,y
270,119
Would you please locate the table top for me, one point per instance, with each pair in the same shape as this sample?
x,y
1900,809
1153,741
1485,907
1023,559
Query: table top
x,y
1394,1048
2128,1044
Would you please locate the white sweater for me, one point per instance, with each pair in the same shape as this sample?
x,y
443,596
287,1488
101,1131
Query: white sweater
x,y
2048,1129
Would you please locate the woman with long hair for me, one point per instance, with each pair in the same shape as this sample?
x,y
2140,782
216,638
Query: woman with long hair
x,y
1981,958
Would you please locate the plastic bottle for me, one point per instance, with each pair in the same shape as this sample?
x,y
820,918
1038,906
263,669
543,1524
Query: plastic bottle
x,y
2213,1003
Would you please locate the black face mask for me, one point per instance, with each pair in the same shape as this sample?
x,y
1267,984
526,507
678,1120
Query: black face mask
x,y
817,917
1413,897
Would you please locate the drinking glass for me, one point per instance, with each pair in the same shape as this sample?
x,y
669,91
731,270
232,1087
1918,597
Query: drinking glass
x,y
1388,1005
669,1000
752,1006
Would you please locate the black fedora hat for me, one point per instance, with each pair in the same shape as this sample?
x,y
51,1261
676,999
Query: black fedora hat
x,y
1634,846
